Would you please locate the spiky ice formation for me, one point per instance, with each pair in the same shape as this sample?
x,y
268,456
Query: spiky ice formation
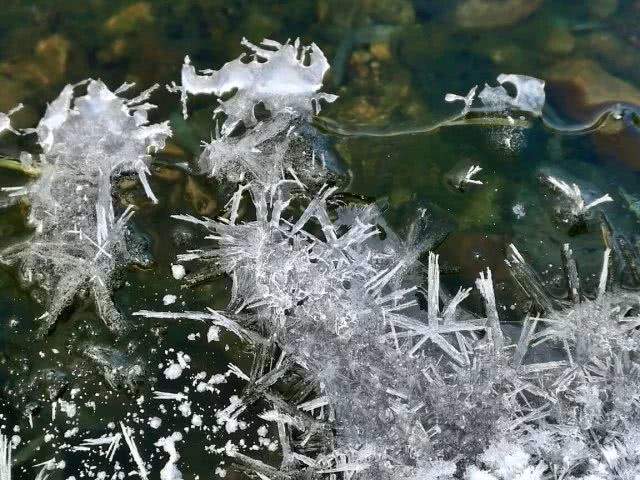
x,y
87,141
339,305
285,79
573,204
384,380
335,297
274,153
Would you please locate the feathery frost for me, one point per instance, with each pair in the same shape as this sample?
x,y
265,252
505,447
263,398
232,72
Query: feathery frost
x,y
86,141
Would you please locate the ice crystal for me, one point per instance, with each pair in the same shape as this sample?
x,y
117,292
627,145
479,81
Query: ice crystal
x,y
113,442
5,120
5,458
272,152
462,178
170,470
333,288
529,97
286,80
127,433
469,174
87,141
405,377
118,370
338,307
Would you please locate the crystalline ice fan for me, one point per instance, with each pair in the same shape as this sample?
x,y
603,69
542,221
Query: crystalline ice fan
x,y
86,141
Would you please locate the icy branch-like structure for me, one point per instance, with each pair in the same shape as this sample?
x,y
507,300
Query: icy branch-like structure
x,y
337,306
286,80
462,179
384,379
113,442
573,195
87,141
127,433
468,176
467,99
593,384
400,387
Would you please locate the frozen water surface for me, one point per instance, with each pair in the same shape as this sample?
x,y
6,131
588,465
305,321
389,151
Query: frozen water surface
x,y
285,320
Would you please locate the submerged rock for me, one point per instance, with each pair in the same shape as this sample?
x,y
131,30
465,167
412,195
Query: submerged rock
x,y
378,89
560,41
20,77
200,200
52,56
130,19
620,146
580,86
390,11
486,14
614,52
602,8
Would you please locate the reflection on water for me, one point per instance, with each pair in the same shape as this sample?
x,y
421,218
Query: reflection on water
x,y
392,62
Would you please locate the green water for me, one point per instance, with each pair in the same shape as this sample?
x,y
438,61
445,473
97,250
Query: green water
x,y
392,63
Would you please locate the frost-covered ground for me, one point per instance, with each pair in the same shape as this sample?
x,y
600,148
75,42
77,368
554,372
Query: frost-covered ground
x,y
362,364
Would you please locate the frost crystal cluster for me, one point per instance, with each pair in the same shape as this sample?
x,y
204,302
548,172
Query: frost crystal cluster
x,y
383,378
368,371
285,80
87,142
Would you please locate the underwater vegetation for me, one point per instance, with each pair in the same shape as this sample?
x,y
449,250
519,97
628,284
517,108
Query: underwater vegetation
x,y
363,371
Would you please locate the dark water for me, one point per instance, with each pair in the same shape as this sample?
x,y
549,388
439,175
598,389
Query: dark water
x,y
392,63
